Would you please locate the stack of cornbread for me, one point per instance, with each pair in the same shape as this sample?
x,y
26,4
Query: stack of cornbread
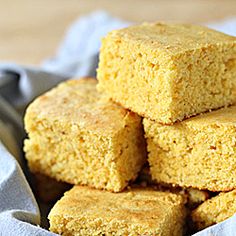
x,y
152,80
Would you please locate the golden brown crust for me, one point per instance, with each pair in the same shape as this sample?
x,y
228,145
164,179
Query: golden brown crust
x,y
215,210
137,211
168,72
172,38
79,136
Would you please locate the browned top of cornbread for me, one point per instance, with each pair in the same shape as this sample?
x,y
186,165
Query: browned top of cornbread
x,y
215,209
77,101
224,117
136,206
221,117
171,37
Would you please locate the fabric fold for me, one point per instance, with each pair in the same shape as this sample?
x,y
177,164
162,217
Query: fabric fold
x,y
19,213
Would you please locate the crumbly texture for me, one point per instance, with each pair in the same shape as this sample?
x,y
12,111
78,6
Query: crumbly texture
x,y
198,152
78,136
215,210
138,211
166,72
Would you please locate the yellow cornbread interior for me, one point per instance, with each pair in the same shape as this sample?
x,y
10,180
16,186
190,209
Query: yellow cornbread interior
x,y
198,152
84,211
77,136
167,72
215,210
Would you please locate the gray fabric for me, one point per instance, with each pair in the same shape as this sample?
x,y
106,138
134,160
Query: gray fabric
x,y
77,56
25,83
226,228
19,213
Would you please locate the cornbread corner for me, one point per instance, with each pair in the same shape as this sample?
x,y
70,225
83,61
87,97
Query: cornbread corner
x,y
215,210
198,152
79,137
139,211
166,72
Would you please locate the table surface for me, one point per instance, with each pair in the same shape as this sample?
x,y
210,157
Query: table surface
x,y
32,30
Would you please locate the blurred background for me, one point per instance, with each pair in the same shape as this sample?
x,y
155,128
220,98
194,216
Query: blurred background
x,y
31,30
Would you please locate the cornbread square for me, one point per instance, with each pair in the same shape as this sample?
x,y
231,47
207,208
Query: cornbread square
x,y
215,210
79,137
199,152
139,211
167,71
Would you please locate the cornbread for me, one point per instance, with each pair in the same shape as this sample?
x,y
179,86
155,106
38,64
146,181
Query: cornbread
x,y
193,196
198,152
215,210
139,211
79,137
166,71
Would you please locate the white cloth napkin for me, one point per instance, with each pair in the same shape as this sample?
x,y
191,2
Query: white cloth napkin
x,y
76,56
